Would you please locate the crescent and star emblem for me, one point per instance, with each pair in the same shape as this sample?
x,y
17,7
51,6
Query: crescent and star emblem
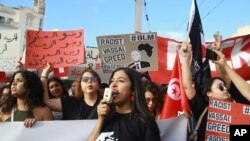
x,y
174,89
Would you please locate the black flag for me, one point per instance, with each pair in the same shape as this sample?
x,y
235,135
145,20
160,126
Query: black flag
x,y
200,65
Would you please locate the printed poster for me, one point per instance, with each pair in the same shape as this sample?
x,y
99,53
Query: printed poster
x,y
221,114
138,51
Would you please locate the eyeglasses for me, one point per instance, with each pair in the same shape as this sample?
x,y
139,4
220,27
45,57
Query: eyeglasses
x,y
86,79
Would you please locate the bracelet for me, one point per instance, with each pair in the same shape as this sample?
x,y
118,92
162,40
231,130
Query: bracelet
x,y
44,76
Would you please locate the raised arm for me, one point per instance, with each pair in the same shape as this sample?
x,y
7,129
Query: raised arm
x,y
185,53
238,81
216,45
55,103
19,66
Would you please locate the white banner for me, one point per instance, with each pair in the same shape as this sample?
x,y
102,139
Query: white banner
x,y
173,129
10,49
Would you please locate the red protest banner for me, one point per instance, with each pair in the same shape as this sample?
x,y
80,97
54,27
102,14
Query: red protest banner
x,y
236,50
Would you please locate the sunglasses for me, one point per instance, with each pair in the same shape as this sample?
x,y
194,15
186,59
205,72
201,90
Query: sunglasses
x,y
86,79
222,87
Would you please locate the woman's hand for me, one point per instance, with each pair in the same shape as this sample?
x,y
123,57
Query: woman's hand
x,y
185,52
103,109
47,70
19,66
29,122
221,58
216,45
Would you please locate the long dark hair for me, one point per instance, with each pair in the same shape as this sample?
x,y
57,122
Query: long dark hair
x,y
158,95
140,107
6,86
33,95
207,87
64,90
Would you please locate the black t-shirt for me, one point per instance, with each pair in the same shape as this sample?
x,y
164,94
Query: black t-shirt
x,y
198,105
236,95
124,127
77,109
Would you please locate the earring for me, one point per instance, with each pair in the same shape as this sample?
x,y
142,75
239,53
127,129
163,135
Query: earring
x,y
132,98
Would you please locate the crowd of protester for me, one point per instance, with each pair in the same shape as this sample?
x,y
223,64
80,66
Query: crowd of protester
x,y
137,100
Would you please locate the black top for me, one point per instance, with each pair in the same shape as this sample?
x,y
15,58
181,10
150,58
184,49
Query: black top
x,y
198,105
236,95
77,109
124,127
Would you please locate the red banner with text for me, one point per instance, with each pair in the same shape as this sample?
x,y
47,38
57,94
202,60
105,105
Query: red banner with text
x,y
236,50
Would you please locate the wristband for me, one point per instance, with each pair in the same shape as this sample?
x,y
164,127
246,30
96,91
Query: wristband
x,y
44,77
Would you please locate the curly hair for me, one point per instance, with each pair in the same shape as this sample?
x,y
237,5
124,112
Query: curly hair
x,y
33,92
158,95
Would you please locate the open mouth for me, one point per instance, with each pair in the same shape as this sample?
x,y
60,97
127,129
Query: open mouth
x,y
114,94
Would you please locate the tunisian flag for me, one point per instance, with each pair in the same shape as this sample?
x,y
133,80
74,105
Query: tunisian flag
x,y
175,99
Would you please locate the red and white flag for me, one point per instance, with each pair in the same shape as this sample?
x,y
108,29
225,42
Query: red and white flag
x,y
175,99
61,72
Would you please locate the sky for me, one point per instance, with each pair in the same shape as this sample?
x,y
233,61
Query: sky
x,y
169,18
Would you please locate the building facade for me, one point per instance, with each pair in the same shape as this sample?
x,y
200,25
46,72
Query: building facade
x,y
22,18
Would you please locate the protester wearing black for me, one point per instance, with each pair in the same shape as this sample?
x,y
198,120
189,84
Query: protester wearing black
x,y
127,118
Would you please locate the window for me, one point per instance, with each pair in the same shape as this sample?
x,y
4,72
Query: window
x,y
29,19
10,20
2,19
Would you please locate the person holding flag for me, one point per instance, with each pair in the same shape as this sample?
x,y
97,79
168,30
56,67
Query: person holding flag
x,y
213,88
200,65
200,69
175,100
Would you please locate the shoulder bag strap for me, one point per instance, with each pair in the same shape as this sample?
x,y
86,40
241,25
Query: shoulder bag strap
x,y
199,120
193,136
